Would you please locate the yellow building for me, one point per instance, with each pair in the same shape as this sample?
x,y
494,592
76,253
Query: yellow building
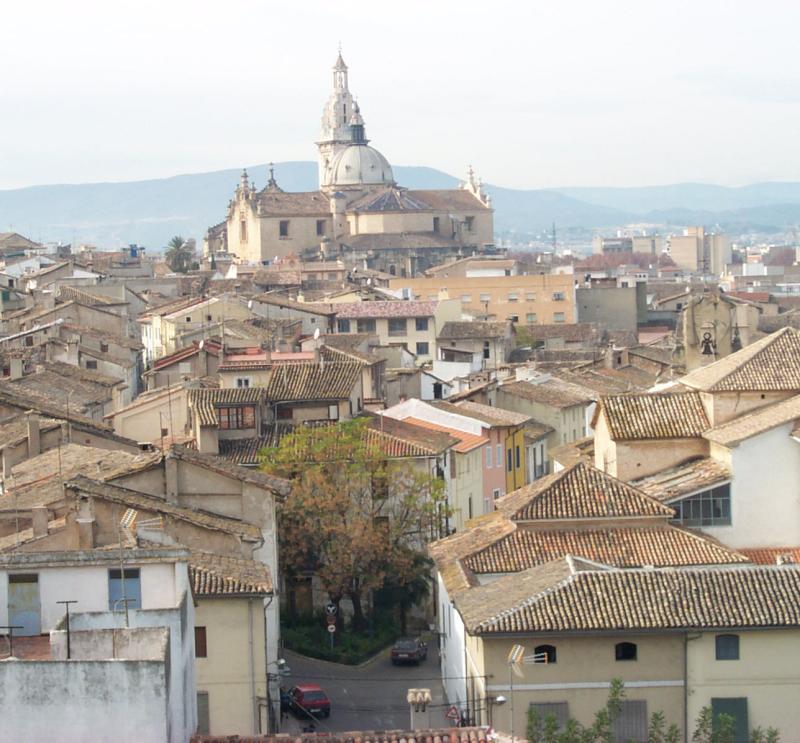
x,y
358,200
526,300
230,644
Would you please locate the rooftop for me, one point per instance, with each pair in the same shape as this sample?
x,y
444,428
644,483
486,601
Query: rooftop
x,y
553,392
653,416
769,364
380,309
474,329
489,415
300,382
467,441
684,479
213,575
752,424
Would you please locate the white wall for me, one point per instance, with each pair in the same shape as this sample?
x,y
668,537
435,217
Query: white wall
x,y
451,657
765,497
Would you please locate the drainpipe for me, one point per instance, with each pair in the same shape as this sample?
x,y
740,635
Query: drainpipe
x,y
251,664
266,664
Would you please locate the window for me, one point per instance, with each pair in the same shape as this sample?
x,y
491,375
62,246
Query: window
x,y
6,295
466,298
485,298
188,318
558,317
513,296
365,326
243,231
203,726
437,390
499,455
544,654
421,324
333,412
558,296
91,364
125,585
469,507
558,711
209,318
530,296
104,347
516,457
509,460
497,493
489,456
28,340
242,381
283,228
631,724
625,651
342,326
709,508
487,350
422,348
531,318
736,707
513,318
237,418
164,432
200,647
469,224
397,326
436,224
320,227
727,647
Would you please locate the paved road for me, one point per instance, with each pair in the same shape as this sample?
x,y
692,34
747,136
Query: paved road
x,y
370,697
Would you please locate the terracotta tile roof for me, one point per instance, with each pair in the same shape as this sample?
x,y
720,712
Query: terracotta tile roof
x,y
578,332
210,346
313,381
299,203
487,414
391,199
449,198
661,545
14,429
218,575
378,309
772,555
117,340
434,735
244,451
68,293
553,392
474,329
581,450
683,479
769,364
205,402
282,301
333,353
569,599
764,419
579,492
654,416
467,441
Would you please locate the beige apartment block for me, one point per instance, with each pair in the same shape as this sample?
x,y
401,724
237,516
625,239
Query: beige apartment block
x,y
527,300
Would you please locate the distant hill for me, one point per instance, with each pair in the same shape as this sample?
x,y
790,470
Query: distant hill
x,y
150,212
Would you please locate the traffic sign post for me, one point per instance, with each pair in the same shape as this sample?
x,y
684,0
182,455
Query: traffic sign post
x,y
331,610
452,714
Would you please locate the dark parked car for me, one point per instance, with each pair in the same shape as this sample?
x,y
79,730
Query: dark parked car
x,y
409,650
308,701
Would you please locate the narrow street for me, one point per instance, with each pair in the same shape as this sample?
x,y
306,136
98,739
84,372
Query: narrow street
x,y
369,697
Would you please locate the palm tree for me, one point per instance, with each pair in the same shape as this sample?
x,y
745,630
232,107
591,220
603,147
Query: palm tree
x,y
178,253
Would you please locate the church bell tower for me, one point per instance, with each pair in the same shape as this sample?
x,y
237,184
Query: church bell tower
x,y
335,134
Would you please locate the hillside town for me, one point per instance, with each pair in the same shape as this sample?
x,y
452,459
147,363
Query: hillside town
x,y
350,470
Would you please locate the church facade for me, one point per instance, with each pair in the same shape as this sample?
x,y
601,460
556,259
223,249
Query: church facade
x,y
359,209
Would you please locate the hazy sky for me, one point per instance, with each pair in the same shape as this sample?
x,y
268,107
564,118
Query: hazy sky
x,y
534,94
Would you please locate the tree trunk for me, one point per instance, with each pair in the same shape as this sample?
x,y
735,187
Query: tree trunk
x,y
359,620
403,618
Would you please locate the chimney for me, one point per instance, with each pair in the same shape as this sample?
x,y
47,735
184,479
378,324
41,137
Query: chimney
x,y
34,443
85,534
40,518
171,473
17,369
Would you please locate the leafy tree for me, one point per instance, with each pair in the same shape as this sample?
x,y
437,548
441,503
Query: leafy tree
x,y
179,253
354,516
410,590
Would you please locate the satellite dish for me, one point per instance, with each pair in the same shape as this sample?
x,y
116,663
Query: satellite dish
x,y
316,334
202,343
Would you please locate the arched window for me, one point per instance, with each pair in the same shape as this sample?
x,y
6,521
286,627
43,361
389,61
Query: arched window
x,y
544,654
625,651
727,647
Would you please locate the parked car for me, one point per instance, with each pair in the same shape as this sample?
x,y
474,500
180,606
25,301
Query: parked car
x,y
309,701
409,650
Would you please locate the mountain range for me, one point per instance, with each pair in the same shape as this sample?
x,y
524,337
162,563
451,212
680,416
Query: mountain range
x,y
150,212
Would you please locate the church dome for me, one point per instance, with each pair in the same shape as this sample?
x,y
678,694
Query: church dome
x,y
359,164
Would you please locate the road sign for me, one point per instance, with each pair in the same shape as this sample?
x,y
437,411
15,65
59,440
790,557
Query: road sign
x,y
330,619
331,628
331,609
452,713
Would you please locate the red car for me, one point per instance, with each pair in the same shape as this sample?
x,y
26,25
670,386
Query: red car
x,y
309,701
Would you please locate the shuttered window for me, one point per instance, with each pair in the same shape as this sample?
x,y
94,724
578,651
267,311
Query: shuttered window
x,y
200,646
736,707
203,726
631,725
